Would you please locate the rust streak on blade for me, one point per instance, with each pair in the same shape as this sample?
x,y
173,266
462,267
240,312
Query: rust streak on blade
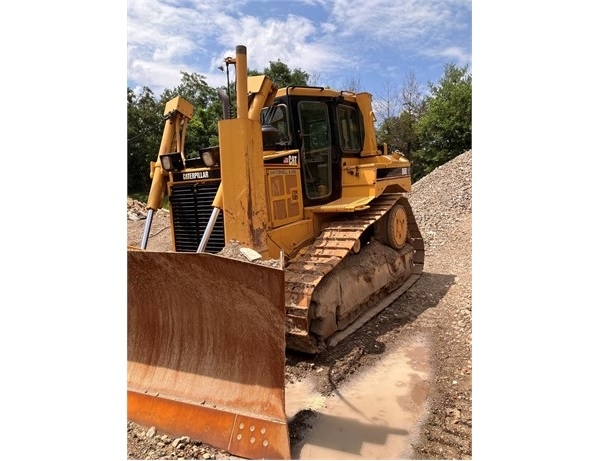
x,y
206,337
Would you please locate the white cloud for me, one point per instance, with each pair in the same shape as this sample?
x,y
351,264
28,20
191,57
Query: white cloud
x,y
456,55
333,39
395,22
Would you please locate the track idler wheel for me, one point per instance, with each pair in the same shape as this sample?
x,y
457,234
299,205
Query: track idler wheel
x,y
392,229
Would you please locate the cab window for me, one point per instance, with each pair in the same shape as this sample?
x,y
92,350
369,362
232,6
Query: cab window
x,y
277,117
349,129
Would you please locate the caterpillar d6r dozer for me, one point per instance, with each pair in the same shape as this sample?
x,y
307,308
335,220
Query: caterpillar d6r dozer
x,y
297,178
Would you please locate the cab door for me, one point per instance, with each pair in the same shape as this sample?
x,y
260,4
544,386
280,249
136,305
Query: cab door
x,y
316,152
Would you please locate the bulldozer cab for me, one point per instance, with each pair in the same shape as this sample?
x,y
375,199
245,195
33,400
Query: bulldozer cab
x,y
324,128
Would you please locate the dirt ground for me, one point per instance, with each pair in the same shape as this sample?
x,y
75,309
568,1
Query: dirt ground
x,y
436,310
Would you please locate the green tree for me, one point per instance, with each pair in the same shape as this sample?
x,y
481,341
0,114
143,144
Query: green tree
x,y
444,129
144,132
402,109
281,75
389,133
399,133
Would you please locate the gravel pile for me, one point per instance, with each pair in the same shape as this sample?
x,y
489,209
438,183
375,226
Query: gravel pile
x,y
442,199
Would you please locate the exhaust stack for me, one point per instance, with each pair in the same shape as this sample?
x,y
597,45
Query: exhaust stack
x,y
242,170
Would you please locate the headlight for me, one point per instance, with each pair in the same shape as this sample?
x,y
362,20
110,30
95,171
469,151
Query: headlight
x,y
208,159
172,161
210,156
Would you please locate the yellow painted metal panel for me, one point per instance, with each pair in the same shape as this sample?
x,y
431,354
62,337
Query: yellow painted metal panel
x,y
242,175
290,237
285,197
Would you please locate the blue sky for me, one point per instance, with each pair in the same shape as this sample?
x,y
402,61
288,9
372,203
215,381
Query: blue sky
x,y
374,43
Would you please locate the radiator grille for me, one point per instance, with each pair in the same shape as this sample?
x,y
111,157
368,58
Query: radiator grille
x,y
191,207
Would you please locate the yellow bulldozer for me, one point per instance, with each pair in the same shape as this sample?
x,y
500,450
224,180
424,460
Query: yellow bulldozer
x,y
299,182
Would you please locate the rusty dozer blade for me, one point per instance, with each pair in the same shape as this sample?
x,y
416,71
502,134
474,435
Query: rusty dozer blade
x,y
206,351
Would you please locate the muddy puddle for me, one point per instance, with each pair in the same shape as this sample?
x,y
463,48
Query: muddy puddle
x,y
374,416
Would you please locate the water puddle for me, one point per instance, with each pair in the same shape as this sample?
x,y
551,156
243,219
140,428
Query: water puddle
x,y
374,416
301,395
